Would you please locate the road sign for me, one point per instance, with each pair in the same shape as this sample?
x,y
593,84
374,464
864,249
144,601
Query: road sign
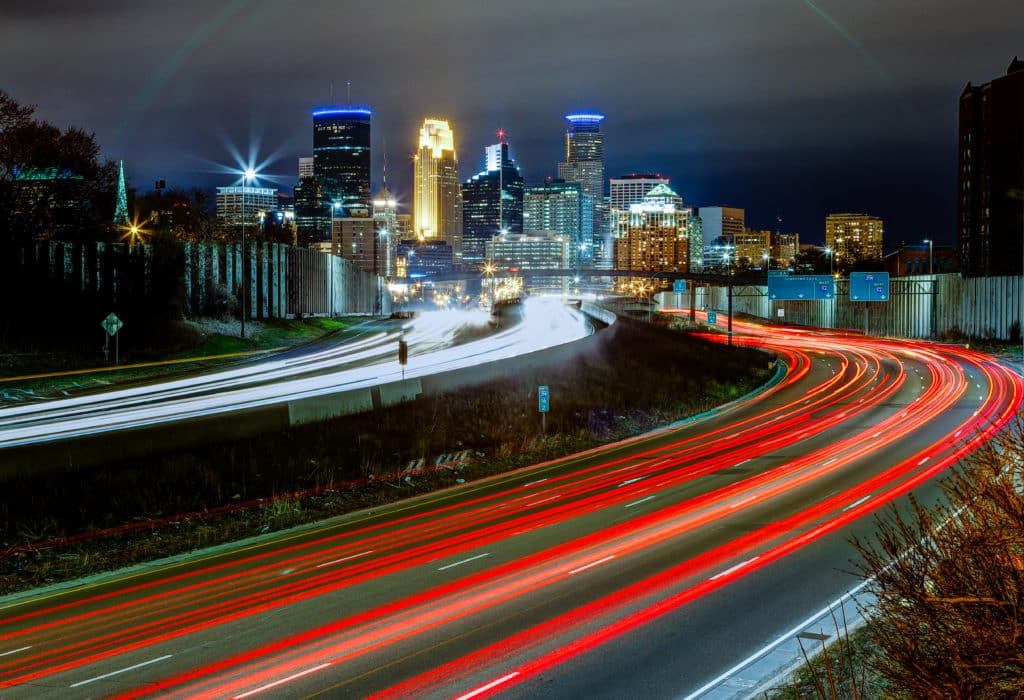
x,y
679,287
712,317
111,324
778,273
781,313
802,287
543,402
869,286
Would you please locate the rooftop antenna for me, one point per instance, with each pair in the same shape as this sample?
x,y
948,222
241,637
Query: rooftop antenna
x,y
348,88
332,92
385,173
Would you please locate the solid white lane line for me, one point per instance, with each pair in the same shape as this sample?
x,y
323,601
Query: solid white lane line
x,y
484,688
543,500
734,568
338,561
123,670
15,651
465,561
627,482
534,483
642,500
923,460
856,503
829,461
282,681
592,564
748,499
743,462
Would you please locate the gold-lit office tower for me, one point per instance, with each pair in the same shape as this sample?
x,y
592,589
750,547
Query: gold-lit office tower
x,y
652,236
436,207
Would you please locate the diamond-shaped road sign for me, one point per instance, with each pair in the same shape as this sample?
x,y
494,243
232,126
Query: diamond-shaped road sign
x,y
111,324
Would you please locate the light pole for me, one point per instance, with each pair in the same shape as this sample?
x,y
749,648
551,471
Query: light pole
x,y
828,252
929,242
330,264
934,289
247,176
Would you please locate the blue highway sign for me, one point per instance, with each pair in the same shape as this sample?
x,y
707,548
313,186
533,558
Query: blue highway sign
x,y
869,286
802,287
679,286
543,403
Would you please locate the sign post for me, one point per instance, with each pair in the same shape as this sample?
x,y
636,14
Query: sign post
x,y
403,355
868,287
543,405
112,324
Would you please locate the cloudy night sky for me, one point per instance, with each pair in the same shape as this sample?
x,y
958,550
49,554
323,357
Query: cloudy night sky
x,y
784,107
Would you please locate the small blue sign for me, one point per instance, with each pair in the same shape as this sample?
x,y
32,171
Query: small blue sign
x,y
802,287
712,317
679,287
543,402
869,286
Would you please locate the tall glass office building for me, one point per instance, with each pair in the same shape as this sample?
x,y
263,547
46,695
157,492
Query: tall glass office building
x,y
584,163
562,207
341,154
482,215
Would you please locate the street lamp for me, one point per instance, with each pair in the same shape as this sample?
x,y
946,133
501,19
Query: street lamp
x,y
929,242
828,252
248,176
934,290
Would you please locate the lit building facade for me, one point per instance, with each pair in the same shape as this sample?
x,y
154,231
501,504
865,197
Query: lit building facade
x,y
990,177
695,232
721,221
483,215
720,255
436,208
785,247
312,218
236,203
753,248
584,164
415,258
385,217
631,189
853,237
355,238
341,154
538,250
562,207
653,236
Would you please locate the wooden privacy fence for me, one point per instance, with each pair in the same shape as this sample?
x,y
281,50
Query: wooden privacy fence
x,y
974,307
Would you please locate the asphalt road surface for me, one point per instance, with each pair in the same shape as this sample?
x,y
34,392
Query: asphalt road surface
x,y
641,569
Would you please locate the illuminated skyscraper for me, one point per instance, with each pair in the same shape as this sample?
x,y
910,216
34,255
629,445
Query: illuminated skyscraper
x,y
436,196
584,163
341,154
631,189
483,213
562,207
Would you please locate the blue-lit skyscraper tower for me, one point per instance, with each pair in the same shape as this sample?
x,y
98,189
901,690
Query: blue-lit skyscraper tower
x,y
584,163
341,154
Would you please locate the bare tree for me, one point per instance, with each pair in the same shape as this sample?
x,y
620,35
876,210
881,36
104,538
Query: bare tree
x,y
949,583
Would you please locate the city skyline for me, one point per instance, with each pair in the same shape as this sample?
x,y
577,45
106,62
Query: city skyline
x,y
748,123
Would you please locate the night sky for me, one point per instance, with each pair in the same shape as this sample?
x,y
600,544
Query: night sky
x,y
784,107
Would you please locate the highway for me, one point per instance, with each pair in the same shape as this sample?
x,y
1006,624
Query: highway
x,y
318,369
641,569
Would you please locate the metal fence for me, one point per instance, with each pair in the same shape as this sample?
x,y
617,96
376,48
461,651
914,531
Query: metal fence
x,y
972,307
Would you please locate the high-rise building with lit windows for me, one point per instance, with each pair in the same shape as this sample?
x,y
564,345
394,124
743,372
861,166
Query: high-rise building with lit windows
x,y
584,163
990,177
654,234
632,188
436,205
341,154
853,237
562,207
485,212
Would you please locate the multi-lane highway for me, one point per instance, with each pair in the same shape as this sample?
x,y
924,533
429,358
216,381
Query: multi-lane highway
x,y
368,359
643,568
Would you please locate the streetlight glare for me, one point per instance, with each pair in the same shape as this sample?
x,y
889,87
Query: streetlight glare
x,y
250,174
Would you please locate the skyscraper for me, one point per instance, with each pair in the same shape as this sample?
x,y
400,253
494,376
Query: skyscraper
x,y
990,179
632,188
341,154
484,214
654,234
436,196
236,203
584,163
562,207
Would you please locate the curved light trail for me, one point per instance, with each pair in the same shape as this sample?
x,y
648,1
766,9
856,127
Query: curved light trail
x,y
362,363
489,588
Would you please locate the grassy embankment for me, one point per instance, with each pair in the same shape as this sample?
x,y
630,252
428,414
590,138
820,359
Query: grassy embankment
x,y
638,377
51,372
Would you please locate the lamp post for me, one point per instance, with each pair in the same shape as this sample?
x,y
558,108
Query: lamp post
x,y
929,242
828,252
247,176
934,290
330,264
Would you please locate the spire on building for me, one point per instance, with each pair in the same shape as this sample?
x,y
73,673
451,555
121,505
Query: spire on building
x,y
121,209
